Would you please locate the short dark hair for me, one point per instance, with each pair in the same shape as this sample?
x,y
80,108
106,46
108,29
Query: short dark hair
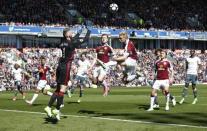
x,y
192,50
83,53
158,50
105,35
65,31
42,57
164,51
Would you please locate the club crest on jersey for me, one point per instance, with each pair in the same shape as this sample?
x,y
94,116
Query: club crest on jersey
x,y
161,67
105,48
101,51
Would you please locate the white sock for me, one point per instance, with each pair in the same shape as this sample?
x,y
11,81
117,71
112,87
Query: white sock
x,y
167,99
49,93
131,77
105,83
48,107
34,97
152,101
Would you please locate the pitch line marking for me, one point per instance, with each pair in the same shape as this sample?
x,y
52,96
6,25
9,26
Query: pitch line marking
x,y
110,119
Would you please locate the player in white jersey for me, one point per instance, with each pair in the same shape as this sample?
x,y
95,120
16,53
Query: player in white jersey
x,y
82,73
192,66
17,73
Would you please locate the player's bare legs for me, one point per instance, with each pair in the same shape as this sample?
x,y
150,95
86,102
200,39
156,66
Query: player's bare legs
x,y
152,99
20,90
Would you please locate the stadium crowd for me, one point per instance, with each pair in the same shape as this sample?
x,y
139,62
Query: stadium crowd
x,y
30,58
32,12
171,14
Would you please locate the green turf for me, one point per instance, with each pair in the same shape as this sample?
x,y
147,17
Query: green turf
x,y
122,103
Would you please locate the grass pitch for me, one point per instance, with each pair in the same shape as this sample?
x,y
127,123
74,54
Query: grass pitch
x,y
123,110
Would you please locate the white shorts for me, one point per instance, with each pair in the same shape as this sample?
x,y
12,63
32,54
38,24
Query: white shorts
x,y
160,84
41,84
111,63
131,65
130,62
99,71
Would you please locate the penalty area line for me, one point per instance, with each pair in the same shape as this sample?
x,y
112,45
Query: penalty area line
x,y
110,119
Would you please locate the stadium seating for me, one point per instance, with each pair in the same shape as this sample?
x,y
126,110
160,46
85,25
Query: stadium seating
x,y
172,14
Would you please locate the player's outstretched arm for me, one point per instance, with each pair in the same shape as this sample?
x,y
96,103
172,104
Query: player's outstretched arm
x,y
77,41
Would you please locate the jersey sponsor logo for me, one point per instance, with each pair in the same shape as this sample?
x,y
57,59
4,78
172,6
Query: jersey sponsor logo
x,y
161,67
101,51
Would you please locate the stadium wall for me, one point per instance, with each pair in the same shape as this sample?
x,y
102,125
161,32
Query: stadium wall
x,y
38,36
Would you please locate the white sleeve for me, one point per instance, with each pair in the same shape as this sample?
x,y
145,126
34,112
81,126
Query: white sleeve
x,y
12,71
126,54
23,71
79,62
198,60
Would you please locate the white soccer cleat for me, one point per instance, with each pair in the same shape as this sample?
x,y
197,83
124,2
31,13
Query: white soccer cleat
x,y
131,77
104,95
150,109
14,99
156,106
167,108
62,105
56,113
48,111
173,101
195,101
79,100
182,100
28,102
23,97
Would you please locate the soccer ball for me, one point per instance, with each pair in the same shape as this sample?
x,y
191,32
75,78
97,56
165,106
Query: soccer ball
x,y
113,7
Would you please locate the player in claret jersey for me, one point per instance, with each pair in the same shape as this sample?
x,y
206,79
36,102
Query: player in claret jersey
x,y
163,79
129,58
156,105
102,63
42,70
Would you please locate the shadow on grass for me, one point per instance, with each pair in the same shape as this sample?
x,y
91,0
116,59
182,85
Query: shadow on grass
x,y
190,118
53,120
146,107
100,114
86,112
37,104
50,120
72,102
